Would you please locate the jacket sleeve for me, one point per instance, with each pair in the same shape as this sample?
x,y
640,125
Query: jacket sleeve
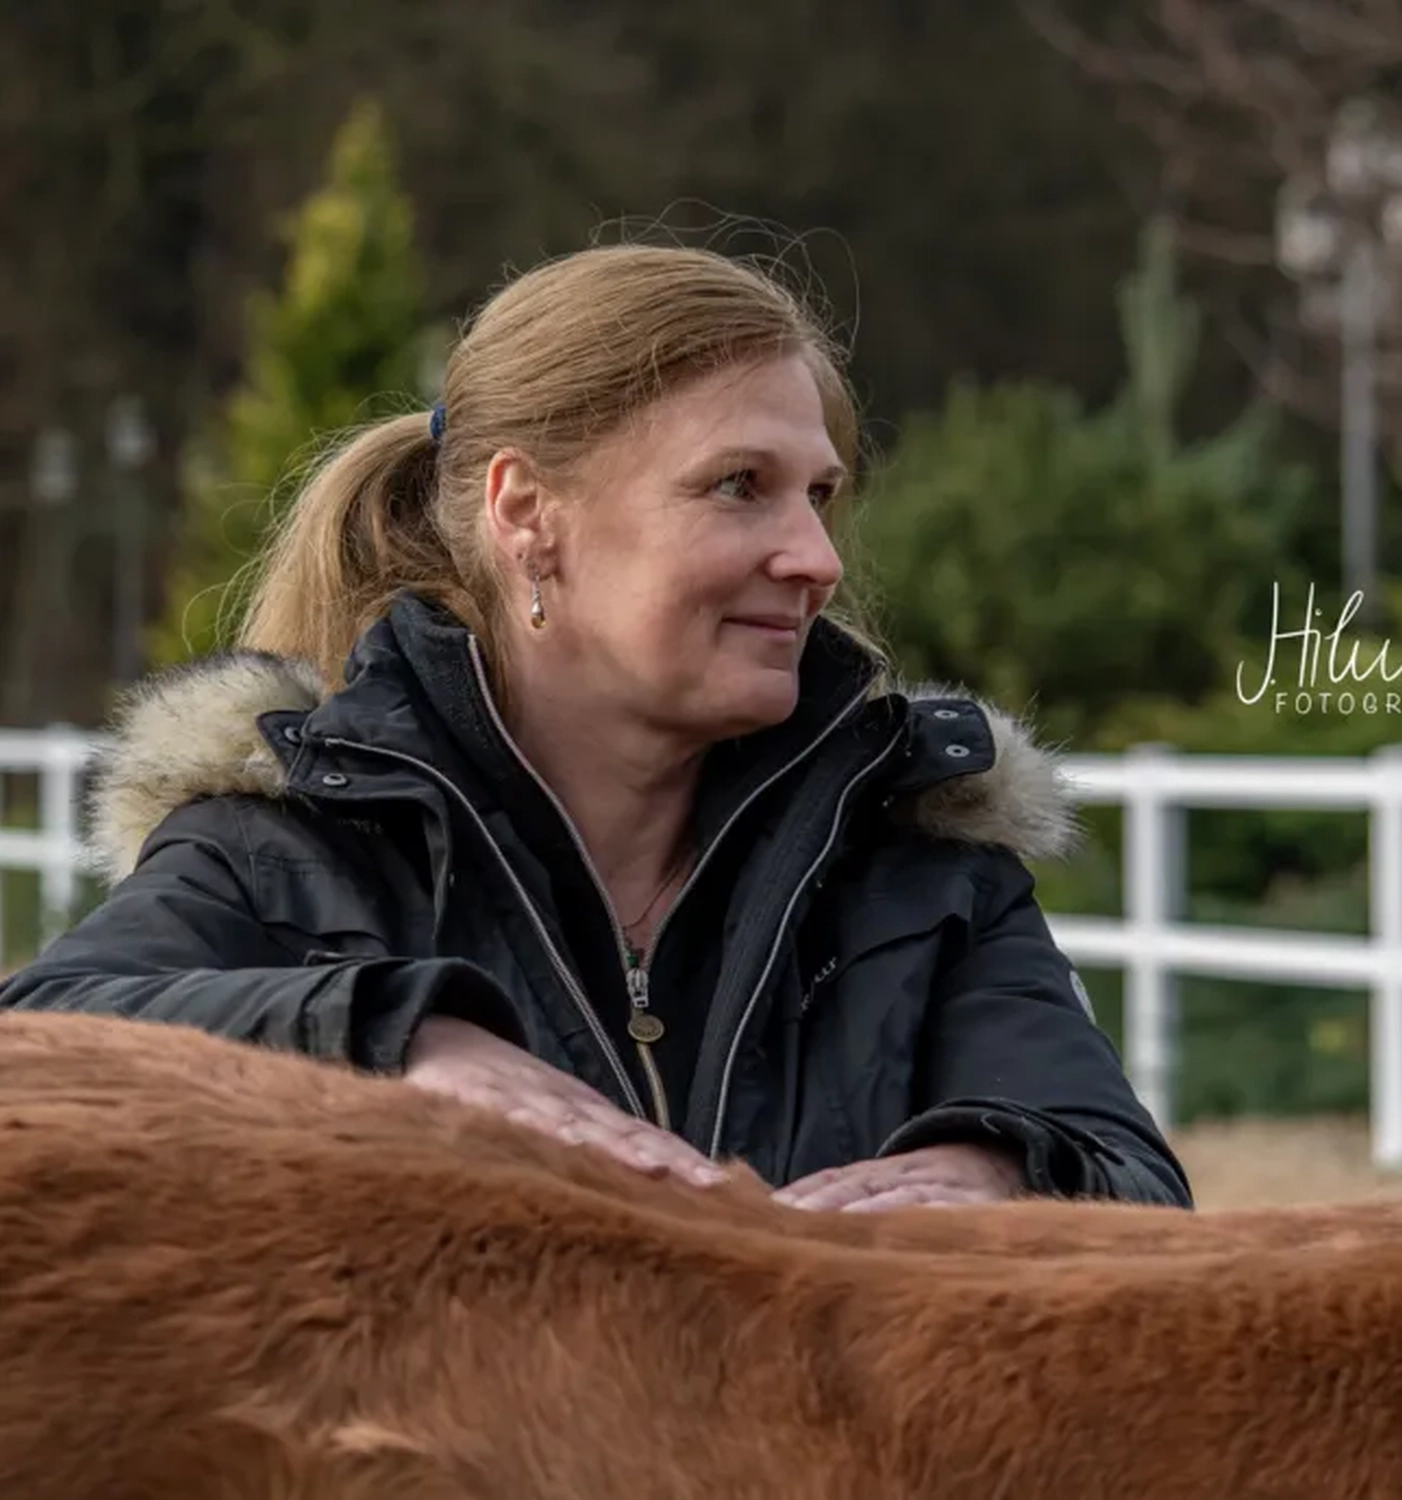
x,y
1017,1060
178,941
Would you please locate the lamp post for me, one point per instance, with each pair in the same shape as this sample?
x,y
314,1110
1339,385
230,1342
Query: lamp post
x,y
1331,235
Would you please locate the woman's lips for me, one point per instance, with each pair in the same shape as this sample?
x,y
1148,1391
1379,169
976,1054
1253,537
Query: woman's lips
x,y
771,625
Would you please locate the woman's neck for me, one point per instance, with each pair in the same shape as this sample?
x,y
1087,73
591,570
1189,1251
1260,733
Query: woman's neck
x,y
629,793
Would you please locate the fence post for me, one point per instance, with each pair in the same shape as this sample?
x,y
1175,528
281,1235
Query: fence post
x,y
1385,925
58,820
1154,881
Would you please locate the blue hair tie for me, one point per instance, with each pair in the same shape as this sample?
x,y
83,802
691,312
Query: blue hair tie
x,y
437,421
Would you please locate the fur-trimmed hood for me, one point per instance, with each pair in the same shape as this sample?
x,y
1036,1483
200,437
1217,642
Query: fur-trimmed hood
x,y
193,732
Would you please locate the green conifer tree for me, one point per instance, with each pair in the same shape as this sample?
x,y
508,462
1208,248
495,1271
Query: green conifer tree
x,y
345,331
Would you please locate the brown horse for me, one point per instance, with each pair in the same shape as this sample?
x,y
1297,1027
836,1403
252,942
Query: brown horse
x,y
226,1272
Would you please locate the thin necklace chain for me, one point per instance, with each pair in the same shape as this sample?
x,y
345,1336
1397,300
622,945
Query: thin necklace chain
x,y
672,871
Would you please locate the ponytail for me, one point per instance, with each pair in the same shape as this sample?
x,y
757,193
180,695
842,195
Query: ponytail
x,y
363,528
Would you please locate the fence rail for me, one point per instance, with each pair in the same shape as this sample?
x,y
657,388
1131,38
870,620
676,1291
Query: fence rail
x,y
1151,943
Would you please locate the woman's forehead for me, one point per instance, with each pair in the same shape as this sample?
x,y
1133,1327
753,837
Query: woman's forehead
x,y
773,411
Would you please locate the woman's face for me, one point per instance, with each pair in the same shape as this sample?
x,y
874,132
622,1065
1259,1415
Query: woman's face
x,y
689,572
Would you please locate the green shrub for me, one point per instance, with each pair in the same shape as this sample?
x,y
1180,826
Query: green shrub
x,y
343,339
1085,561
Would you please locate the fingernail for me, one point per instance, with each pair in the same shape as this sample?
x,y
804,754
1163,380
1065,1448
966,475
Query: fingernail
x,y
707,1176
646,1165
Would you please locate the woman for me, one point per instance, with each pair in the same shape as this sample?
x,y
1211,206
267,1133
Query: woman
x,y
547,779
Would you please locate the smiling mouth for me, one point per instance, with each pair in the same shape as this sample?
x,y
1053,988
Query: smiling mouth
x,y
780,630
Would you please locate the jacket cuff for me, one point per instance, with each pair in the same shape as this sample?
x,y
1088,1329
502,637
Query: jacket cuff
x,y
1058,1159
392,997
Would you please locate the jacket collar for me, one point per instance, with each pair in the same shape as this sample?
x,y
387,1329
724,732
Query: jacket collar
x,y
216,726
418,683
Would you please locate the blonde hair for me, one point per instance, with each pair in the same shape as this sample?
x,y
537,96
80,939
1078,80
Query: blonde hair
x,y
557,360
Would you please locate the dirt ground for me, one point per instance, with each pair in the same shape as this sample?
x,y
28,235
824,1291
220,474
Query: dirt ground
x,y
1241,1163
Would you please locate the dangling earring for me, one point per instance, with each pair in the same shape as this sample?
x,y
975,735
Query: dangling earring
x,y
537,603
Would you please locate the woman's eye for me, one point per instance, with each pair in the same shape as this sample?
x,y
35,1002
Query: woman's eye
x,y
745,477
747,480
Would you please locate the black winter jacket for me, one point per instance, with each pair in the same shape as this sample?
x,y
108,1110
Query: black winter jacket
x,y
857,967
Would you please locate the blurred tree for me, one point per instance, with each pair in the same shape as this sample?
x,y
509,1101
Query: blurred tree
x,y
346,329
1087,561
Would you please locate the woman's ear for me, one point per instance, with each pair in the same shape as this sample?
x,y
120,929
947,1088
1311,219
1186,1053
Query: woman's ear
x,y
522,515
515,504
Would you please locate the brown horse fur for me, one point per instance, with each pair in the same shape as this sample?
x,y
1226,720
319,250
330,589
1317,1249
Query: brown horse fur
x,y
226,1272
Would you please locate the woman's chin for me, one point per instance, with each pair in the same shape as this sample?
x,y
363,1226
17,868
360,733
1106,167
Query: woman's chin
x,y
762,701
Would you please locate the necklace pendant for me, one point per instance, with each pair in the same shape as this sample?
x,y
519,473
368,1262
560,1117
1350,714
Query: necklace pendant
x,y
644,1027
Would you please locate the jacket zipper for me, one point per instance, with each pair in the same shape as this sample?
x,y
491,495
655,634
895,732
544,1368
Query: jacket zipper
x,y
640,997
561,968
774,947
644,1028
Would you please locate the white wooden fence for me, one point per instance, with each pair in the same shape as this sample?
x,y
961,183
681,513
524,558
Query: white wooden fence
x,y
1154,946
58,756
1150,943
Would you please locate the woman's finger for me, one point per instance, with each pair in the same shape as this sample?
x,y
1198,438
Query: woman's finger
x,y
815,1182
834,1195
643,1147
900,1197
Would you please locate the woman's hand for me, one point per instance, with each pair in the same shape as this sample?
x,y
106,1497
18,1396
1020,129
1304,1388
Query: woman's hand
x,y
455,1057
934,1176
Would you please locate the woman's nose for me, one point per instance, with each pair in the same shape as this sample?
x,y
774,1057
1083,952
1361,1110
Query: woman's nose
x,y
808,550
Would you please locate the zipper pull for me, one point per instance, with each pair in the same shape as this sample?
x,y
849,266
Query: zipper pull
x,y
642,1026
637,985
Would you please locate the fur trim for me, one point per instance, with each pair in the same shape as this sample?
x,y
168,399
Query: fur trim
x,y
1022,802
192,732
186,733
